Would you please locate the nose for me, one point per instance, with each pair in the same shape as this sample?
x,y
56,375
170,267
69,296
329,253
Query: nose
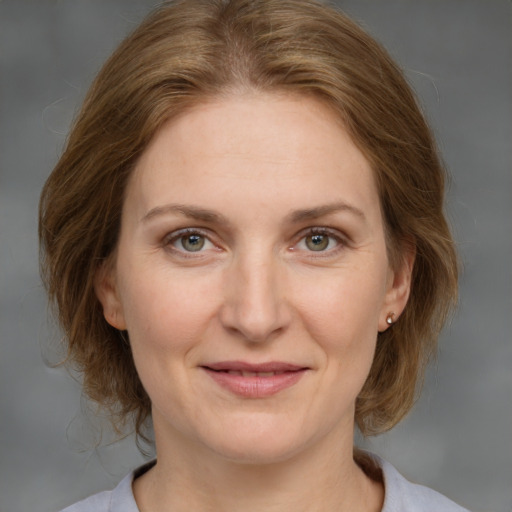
x,y
255,306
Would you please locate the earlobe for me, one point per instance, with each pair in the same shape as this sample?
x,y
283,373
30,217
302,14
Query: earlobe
x,y
398,291
107,293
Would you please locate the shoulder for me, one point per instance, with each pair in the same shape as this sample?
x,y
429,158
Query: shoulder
x,y
404,496
120,499
98,503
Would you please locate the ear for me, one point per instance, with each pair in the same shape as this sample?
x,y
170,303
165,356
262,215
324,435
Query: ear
x,y
107,292
399,287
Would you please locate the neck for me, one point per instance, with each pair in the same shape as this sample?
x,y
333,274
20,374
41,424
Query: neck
x,y
317,479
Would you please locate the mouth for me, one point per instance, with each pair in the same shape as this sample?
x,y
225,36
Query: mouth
x,y
254,380
251,374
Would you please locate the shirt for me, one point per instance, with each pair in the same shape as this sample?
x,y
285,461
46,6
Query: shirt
x,y
400,495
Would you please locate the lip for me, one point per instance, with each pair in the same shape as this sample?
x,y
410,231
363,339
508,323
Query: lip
x,y
229,375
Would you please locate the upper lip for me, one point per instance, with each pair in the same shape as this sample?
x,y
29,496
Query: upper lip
x,y
243,366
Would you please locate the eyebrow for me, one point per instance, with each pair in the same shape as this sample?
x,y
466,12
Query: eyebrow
x,y
321,211
192,212
205,215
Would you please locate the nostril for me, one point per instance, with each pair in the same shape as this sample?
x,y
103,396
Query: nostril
x,y
253,307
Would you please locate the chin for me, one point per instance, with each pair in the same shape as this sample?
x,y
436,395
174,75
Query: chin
x,y
257,442
258,454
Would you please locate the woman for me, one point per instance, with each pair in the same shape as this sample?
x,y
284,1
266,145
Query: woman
x,y
246,245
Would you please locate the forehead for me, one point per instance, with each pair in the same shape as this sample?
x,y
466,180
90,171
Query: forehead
x,y
258,148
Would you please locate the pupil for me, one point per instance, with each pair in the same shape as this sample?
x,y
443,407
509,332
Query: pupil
x,y
192,242
317,242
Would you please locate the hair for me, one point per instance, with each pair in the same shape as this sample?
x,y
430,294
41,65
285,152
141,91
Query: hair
x,y
194,50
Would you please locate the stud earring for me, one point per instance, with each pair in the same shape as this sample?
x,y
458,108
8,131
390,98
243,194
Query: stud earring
x,y
390,318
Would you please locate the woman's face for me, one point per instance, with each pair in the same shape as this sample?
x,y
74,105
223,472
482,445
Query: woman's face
x,y
252,277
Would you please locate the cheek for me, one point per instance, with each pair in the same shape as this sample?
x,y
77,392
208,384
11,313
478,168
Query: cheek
x,y
167,312
349,302
341,313
167,319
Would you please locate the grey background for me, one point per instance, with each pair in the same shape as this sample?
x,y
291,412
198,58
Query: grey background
x,y
457,54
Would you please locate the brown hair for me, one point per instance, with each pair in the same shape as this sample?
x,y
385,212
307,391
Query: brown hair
x,y
188,51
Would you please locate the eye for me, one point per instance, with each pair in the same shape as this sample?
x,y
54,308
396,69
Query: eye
x,y
192,243
320,240
189,241
317,242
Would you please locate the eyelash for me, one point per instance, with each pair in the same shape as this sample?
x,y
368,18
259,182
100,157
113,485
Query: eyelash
x,y
176,236
340,241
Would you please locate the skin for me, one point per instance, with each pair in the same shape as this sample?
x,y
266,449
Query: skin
x,y
255,177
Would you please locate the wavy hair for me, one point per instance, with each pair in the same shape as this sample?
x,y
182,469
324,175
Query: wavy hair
x,y
191,50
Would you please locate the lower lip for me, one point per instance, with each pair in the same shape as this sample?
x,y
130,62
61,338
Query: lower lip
x,y
255,387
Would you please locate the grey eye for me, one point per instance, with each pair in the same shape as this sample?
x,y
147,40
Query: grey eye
x,y
192,243
317,242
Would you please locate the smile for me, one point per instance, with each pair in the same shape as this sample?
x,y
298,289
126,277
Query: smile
x,y
254,380
252,374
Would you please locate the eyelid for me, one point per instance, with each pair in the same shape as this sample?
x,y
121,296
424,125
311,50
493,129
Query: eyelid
x,y
341,239
174,236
